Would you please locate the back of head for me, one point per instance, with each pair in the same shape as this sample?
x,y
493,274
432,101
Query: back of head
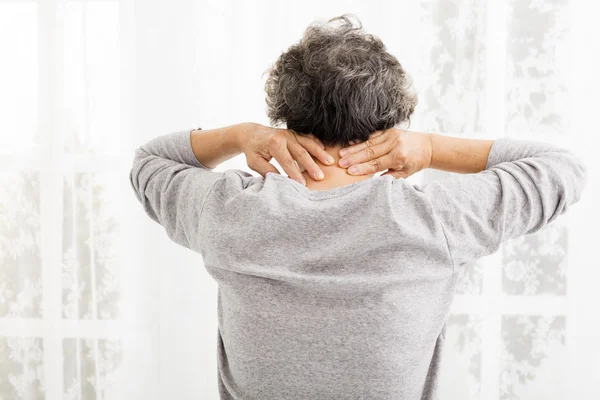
x,y
338,83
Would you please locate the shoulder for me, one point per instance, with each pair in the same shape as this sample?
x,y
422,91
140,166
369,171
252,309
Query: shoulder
x,y
235,180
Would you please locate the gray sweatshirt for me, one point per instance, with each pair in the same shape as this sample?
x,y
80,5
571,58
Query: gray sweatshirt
x,y
343,293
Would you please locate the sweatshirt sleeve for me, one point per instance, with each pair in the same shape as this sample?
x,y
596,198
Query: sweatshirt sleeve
x,y
172,185
526,185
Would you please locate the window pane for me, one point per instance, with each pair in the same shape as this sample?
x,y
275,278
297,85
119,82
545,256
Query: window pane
x,y
83,360
460,376
471,278
538,58
537,264
453,72
20,263
90,233
533,358
21,366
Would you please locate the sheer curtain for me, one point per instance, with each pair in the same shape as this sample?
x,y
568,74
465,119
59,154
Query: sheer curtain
x,y
96,303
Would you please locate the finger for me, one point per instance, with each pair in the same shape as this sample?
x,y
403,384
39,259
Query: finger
x,y
372,135
373,166
367,154
378,133
307,137
373,140
313,146
303,158
262,166
285,159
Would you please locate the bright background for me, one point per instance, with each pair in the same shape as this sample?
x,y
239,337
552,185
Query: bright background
x,y
97,303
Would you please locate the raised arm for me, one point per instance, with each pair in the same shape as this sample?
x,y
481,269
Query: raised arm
x,y
172,184
403,153
172,175
525,185
461,155
507,187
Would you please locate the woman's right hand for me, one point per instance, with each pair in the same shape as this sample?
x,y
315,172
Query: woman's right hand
x,y
401,153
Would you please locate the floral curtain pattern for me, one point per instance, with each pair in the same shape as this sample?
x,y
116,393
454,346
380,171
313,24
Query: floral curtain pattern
x,y
20,367
90,263
537,264
537,67
97,359
20,272
508,334
536,86
462,358
87,60
452,69
533,357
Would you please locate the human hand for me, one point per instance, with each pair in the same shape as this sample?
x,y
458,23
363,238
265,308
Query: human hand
x,y
402,153
292,151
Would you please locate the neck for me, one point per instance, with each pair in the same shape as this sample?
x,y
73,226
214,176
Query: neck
x,y
335,176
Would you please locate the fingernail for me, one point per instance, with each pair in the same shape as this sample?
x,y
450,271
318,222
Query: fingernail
x,y
302,181
353,169
344,162
342,152
320,175
330,160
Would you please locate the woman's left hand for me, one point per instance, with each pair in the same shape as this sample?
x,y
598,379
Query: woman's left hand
x,y
291,150
401,153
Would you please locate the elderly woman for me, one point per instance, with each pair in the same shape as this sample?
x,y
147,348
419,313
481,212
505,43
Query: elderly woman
x,y
337,283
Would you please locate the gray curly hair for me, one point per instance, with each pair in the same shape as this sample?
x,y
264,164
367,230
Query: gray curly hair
x,y
338,83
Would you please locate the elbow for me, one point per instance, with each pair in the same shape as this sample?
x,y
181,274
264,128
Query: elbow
x,y
580,176
570,176
135,173
134,183
570,182
583,170
559,180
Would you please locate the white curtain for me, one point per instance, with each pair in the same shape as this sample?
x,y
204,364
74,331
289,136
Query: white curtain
x,y
97,303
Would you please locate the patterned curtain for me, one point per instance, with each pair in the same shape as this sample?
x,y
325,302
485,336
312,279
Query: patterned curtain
x,y
95,303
